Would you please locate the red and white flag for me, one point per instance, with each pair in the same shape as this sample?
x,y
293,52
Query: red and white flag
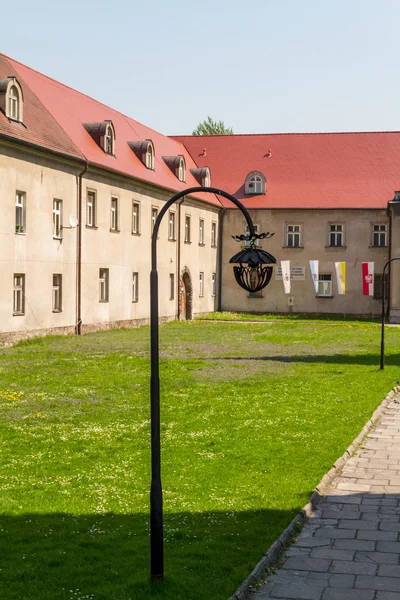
x,y
368,278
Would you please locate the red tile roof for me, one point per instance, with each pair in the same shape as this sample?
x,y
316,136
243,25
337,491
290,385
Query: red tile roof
x,y
56,112
311,170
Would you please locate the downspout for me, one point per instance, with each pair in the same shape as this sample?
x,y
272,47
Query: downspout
x,y
78,327
389,258
178,267
219,259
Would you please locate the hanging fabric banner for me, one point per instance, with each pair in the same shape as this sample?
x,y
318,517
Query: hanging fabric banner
x,y
341,276
285,266
314,267
368,278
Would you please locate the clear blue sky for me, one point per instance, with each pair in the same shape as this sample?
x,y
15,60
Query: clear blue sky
x,y
260,66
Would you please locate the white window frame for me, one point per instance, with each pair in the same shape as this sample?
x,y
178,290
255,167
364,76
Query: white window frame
x,y
214,284
57,292
201,231
57,219
336,235
135,218
20,212
104,279
135,286
172,286
213,234
256,184
379,234
171,226
181,169
201,284
149,157
187,229
293,237
114,214
19,294
13,103
91,208
246,243
325,285
154,215
207,179
109,141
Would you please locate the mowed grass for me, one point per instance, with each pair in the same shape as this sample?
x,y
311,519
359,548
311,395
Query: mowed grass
x,y
253,415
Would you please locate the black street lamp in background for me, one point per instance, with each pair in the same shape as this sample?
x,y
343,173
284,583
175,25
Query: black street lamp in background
x,y
383,312
253,277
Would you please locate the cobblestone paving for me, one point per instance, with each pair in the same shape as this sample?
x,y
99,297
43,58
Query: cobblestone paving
x,y
350,549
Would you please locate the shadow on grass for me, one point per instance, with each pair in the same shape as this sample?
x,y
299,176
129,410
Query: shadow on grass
x,y
104,557
343,359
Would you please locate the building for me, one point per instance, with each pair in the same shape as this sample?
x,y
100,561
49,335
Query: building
x,y
82,185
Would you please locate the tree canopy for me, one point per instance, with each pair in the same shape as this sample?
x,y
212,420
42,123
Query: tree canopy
x,y
211,127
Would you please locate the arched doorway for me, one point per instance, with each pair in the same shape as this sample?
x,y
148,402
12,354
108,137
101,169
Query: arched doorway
x,y
186,297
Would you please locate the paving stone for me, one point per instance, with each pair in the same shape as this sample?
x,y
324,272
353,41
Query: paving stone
x,y
387,571
357,524
332,554
354,568
333,533
388,547
342,580
377,557
298,591
374,582
343,594
366,545
388,536
387,596
307,564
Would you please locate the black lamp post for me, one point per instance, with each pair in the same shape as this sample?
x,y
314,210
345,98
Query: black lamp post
x,y
254,277
382,366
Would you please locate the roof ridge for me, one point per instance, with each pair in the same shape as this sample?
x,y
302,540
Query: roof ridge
x,y
225,135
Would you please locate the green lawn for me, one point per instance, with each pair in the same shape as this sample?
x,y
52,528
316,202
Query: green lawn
x,y
253,414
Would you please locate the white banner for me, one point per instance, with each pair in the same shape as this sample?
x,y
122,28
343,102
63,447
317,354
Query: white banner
x,y
314,267
296,273
341,277
285,266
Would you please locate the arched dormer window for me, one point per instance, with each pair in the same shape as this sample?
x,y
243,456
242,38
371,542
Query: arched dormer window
x,y
145,152
103,134
11,99
202,176
255,183
177,165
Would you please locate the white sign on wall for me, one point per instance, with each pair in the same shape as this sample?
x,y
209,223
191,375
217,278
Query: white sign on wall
x,y
296,273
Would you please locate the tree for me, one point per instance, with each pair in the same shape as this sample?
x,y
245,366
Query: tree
x,y
211,127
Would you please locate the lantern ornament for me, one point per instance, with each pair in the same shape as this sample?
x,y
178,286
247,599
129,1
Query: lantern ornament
x,y
254,271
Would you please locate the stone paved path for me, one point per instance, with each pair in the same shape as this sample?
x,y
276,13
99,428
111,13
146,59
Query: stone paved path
x,y
350,548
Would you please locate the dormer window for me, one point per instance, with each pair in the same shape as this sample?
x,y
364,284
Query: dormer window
x,y
11,99
202,175
103,134
177,165
255,183
145,152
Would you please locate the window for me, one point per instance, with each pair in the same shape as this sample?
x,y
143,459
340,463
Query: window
x,y
20,212
109,140
379,233
201,232
181,169
149,158
187,229
135,218
336,235
378,286
255,183
207,178
19,294
325,284
57,219
201,284
171,286
114,214
13,106
135,287
213,234
103,285
246,244
154,215
214,284
57,293
91,209
171,226
293,236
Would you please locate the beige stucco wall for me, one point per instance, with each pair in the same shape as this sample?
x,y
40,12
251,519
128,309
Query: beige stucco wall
x,y
395,265
358,239
35,253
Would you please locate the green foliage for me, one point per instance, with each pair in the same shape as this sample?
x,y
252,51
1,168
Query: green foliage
x,y
211,127
253,414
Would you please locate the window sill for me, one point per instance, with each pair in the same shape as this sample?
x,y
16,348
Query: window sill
x,y
187,242
293,247
172,239
91,226
324,297
135,233
134,301
213,245
18,314
56,237
378,247
202,245
57,311
336,247
115,231
20,233
103,301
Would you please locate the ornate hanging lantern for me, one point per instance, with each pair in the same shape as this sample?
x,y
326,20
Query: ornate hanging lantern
x,y
254,271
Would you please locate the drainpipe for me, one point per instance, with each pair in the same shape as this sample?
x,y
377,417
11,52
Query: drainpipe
x,y
78,327
219,258
178,267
